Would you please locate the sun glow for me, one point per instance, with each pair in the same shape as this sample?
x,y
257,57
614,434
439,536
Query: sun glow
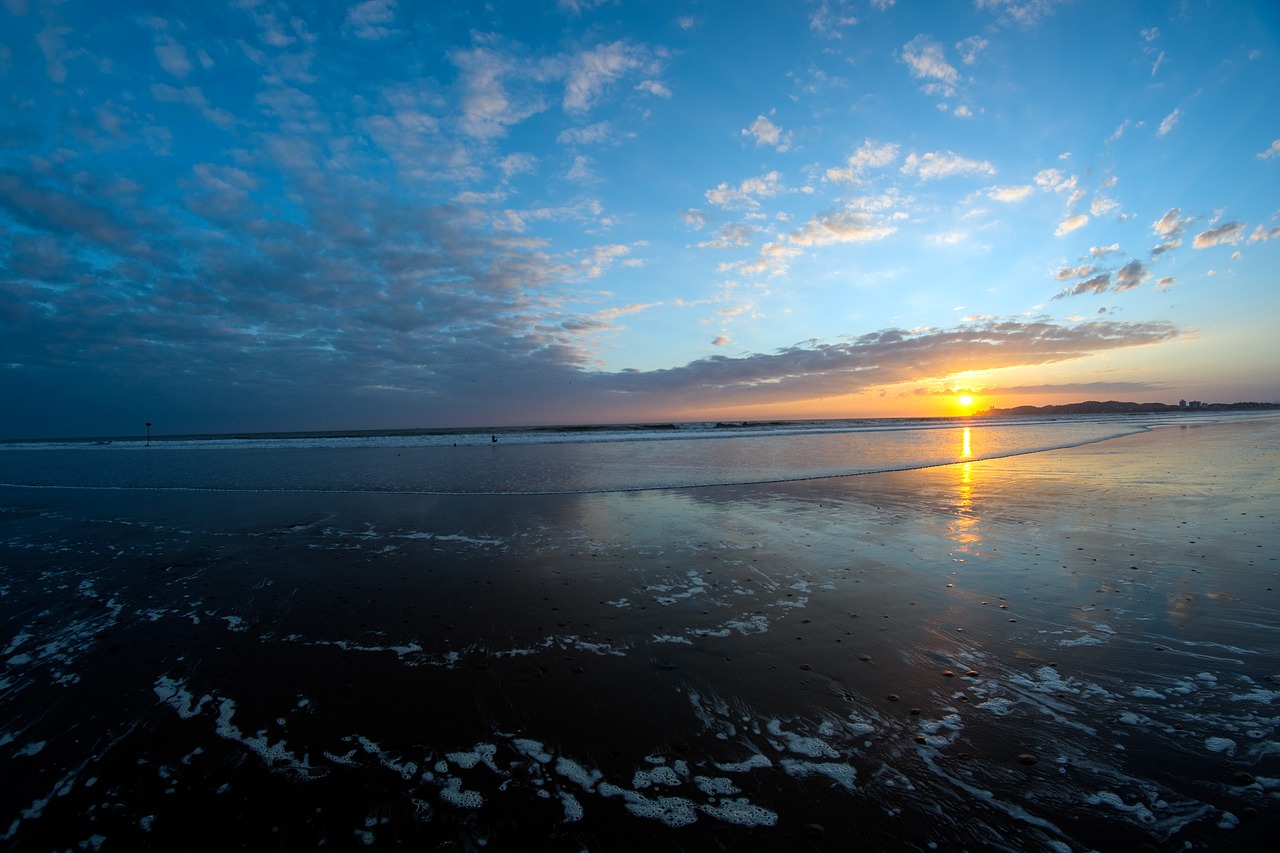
x,y
966,401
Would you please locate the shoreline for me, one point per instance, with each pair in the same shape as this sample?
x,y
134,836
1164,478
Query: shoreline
x,y
808,665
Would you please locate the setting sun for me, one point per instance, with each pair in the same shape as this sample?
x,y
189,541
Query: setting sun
x,y
966,401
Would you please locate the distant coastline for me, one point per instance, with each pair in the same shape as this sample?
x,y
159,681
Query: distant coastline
x,y
1114,407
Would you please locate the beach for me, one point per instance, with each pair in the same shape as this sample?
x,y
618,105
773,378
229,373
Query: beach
x,y
1064,650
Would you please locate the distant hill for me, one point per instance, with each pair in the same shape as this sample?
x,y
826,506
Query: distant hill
x,y
1113,407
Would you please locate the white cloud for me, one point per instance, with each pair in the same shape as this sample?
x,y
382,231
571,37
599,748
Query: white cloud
x,y
369,20
746,194
1227,232
488,107
581,172
1261,234
1273,151
925,58
970,48
173,58
1171,224
830,16
1169,121
870,155
734,236
1071,223
601,131
654,87
766,132
1023,12
938,165
695,219
593,71
1010,194
1103,251
1101,204
845,227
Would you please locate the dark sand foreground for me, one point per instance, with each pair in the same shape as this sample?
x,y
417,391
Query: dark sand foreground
x,y
1063,651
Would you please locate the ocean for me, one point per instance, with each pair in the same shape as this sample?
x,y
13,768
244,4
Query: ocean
x,y
1049,634
547,460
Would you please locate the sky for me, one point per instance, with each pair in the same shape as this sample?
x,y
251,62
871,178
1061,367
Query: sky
x,y
269,215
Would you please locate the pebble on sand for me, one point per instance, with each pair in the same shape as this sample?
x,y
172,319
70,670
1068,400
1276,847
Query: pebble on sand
x,y
1027,758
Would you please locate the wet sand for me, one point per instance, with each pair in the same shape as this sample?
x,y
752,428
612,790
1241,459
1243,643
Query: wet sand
x,y
1061,651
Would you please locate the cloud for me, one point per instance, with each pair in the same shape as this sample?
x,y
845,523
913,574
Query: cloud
x,y
1026,13
593,134
733,236
891,356
746,194
194,98
695,219
1075,389
936,165
1262,234
766,132
369,20
173,58
1273,151
1099,283
1074,272
1010,194
1131,275
925,59
830,17
970,48
1103,251
1071,223
1101,204
654,87
1171,224
870,155
488,105
1228,232
1167,124
593,71
845,227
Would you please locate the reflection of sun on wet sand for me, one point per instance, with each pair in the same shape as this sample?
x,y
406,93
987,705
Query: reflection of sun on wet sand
x,y
782,666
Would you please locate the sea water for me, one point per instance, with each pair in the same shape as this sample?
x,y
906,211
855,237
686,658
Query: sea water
x,y
554,642
547,460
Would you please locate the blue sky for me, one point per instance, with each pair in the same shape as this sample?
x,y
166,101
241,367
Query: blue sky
x,y
281,215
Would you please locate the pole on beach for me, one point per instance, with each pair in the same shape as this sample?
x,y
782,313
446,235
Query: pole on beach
x,y
148,433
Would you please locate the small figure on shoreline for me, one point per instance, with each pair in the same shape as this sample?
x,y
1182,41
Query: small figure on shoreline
x,y
494,439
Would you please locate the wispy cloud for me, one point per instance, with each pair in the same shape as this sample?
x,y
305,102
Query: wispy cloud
x,y
1010,194
765,132
927,62
1071,223
371,19
1227,232
935,164
748,193
870,155
1168,122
